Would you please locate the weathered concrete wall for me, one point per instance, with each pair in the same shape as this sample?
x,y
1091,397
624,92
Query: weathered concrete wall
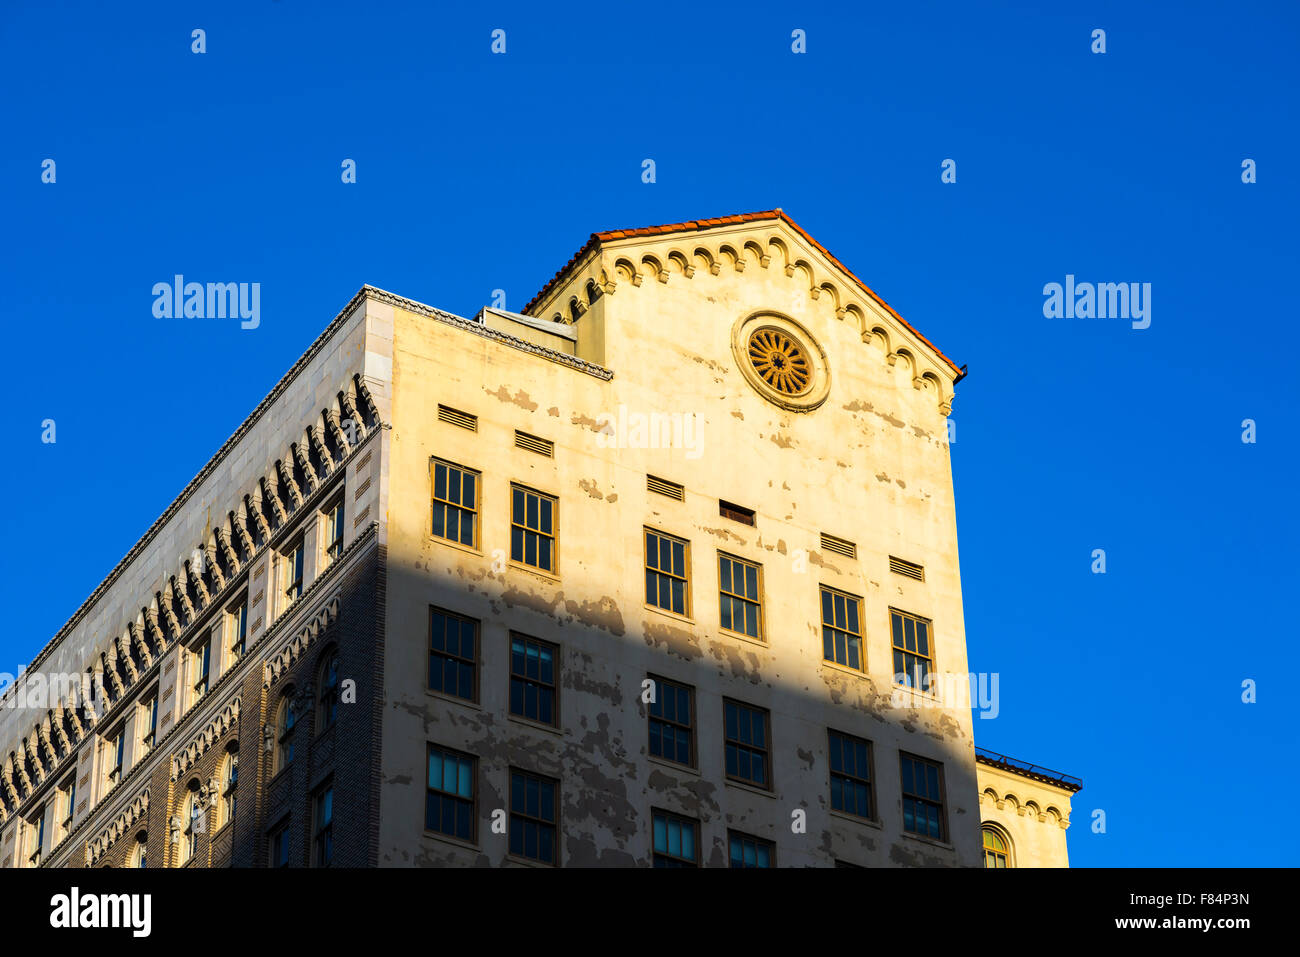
x,y
1033,814
869,465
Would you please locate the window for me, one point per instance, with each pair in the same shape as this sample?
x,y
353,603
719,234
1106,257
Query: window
x,y
114,747
747,751
532,528
140,855
36,837
533,680
291,573
850,760
285,720
780,361
449,800
329,691
67,800
997,849
922,797
842,629
200,663
229,787
913,655
455,503
280,845
737,513
334,532
667,583
149,722
453,654
192,818
322,841
533,814
676,840
748,851
238,630
738,596
672,726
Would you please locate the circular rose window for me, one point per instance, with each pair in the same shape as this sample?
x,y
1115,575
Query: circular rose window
x,y
781,360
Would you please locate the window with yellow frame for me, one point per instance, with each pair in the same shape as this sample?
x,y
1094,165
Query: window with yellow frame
x,y
532,528
740,591
667,572
997,849
455,491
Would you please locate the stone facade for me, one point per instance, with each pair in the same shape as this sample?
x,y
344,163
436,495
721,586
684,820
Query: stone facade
x,y
727,385
1026,809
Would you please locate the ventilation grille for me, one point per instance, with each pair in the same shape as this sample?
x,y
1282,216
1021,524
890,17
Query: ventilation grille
x,y
839,546
534,444
736,513
457,417
665,487
909,569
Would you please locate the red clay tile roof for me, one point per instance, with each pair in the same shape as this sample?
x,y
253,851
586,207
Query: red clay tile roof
x,y
698,224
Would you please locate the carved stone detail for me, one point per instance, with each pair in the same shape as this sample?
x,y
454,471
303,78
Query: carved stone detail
x,y
284,474
201,742
308,473
280,661
322,451
131,815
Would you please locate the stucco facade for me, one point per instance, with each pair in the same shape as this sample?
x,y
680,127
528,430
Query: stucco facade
x,y
727,386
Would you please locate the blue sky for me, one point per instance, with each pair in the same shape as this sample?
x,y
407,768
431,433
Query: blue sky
x,y
478,171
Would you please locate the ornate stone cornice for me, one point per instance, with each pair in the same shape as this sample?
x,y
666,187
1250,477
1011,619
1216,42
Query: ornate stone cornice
x,y
217,725
1025,808
767,240
134,812
280,661
213,464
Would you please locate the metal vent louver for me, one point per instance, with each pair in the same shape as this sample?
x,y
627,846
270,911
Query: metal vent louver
x,y
664,487
534,444
456,417
910,569
840,546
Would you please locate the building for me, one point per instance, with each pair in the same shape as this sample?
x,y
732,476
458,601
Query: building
x,y
1024,811
662,569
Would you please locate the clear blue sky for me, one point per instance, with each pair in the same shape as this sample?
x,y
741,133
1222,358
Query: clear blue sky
x,y
478,172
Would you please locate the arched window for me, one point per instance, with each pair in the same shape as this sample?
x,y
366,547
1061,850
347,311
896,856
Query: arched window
x,y
329,691
191,823
997,848
229,786
285,719
140,854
